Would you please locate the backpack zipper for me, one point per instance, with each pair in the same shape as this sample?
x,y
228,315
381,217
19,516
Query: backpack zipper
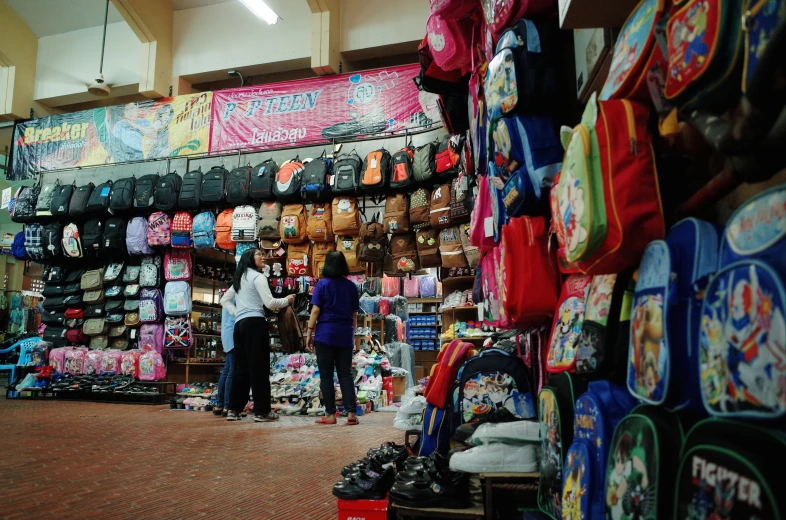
x,y
631,126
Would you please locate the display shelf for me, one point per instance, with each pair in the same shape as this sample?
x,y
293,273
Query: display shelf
x,y
207,336
199,281
424,300
462,308
425,326
214,255
587,14
205,308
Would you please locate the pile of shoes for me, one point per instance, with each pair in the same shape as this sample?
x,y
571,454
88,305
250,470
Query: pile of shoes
x,y
371,477
101,384
197,389
428,482
294,385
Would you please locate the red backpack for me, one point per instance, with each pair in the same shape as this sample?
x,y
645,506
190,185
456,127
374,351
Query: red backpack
x,y
568,321
182,223
224,230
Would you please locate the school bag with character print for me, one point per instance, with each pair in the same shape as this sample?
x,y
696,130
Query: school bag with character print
x,y
293,227
568,320
348,245
320,223
346,216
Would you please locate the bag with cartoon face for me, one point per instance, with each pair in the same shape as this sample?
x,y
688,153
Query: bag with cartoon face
x,y
346,216
299,259
566,328
348,245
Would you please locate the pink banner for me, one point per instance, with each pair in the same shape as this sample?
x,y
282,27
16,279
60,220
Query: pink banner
x,y
320,109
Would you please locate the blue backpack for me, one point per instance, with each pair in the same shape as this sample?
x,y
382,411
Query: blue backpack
x,y
597,413
203,230
743,327
531,143
436,432
314,186
663,356
18,247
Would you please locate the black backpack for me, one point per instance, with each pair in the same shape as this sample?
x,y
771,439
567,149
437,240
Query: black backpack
x,y
214,185
61,200
314,184
239,185
25,203
262,178
114,236
122,196
191,191
167,191
145,191
99,199
52,239
346,172
79,199
93,235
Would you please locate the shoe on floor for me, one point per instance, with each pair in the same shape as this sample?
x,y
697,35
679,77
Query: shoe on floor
x,y
366,484
232,416
218,411
444,491
269,417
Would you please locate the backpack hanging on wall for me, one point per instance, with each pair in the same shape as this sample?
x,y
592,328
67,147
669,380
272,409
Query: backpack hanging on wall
x,y
244,223
269,219
114,234
450,41
203,230
401,172
177,333
52,240
99,198
462,199
501,14
79,199
300,259
439,207
320,223
348,245
373,242
346,174
177,299
568,321
375,172
44,201
471,252
403,257
288,179
214,185
293,224
121,197
178,265
419,217
191,191
92,235
151,306
224,231
314,185
239,185
167,191
145,191
72,241
450,248
263,176
397,214
159,229
427,243
24,203
61,200
182,224
136,237
346,216
320,252
423,164
447,157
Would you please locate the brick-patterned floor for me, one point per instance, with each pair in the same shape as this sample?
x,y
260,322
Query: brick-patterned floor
x,y
70,460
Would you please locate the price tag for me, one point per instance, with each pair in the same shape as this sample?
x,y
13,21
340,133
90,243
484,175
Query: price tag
x,y
6,198
488,227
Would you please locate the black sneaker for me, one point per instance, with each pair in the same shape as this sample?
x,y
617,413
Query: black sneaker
x,y
450,491
368,485
232,416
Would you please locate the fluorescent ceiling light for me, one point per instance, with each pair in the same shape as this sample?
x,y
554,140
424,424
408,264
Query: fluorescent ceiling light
x,y
261,10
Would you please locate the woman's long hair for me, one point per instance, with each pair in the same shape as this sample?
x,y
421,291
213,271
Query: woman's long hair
x,y
246,262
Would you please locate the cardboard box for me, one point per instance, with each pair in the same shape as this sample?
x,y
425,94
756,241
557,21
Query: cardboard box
x,y
399,387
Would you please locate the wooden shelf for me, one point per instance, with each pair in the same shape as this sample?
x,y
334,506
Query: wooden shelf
x,y
425,326
462,308
205,308
214,255
587,14
424,312
207,336
199,281
424,300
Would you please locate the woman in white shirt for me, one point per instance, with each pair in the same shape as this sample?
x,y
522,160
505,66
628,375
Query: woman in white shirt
x,y
251,294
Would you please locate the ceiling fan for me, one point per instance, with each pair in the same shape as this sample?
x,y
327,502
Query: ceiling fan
x,y
100,88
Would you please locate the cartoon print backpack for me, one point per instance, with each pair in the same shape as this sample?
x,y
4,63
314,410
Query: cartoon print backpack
x,y
427,243
401,174
521,77
664,354
314,187
288,178
75,361
726,471
597,413
224,230
151,337
346,216
182,223
450,248
177,265
375,172
72,241
397,214
300,259
439,208
136,237
268,220
741,344
489,382
263,176
149,274
159,231
489,288
320,251
419,217
177,332
177,298
642,465
203,229
403,258
608,199
320,223
556,416
373,242
151,367
129,363
244,224
57,359
450,41
501,14
110,362
150,306
568,320
348,245
705,53
346,174
293,228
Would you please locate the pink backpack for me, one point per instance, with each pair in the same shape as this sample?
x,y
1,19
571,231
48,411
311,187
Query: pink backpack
x,y
490,288
93,361
391,286
177,265
450,42
57,359
129,363
75,361
411,287
452,8
151,337
481,214
384,306
501,14
151,367
159,229
110,362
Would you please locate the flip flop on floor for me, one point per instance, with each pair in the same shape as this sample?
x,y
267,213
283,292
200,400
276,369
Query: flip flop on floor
x,y
353,422
324,420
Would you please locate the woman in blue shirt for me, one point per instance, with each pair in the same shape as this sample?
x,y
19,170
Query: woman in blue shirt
x,y
331,328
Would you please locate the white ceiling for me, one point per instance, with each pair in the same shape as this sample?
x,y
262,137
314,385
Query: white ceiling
x,y
49,17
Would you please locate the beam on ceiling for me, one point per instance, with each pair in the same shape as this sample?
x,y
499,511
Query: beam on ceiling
x,y
152,22
325,36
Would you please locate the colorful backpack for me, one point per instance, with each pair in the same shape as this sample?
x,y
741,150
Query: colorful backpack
x,y
450,41
224,231
159,232
568,321
521,77
263,176
151,337
177,332
346,216
556,416
288,178
320,223
596,415
300,259
642,464
419,217
427,243
320,251
727,471
403,257
136,237
490,287
439,208
149,274
293,227
743,325
203,230
450,248
57,359
72,242
448,156
129,363
346,174
75,361
397,214
268,221
244,224
348,245
182,223
481,233
110,362
177,265
435,436
34,242
314,186
150,306
375,174
401,174
177,299
608,200
501,14
151,367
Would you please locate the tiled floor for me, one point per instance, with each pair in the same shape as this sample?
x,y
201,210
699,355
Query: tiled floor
x,y
70,460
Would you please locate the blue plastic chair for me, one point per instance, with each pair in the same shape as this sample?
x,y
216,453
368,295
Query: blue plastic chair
x,y
25,347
